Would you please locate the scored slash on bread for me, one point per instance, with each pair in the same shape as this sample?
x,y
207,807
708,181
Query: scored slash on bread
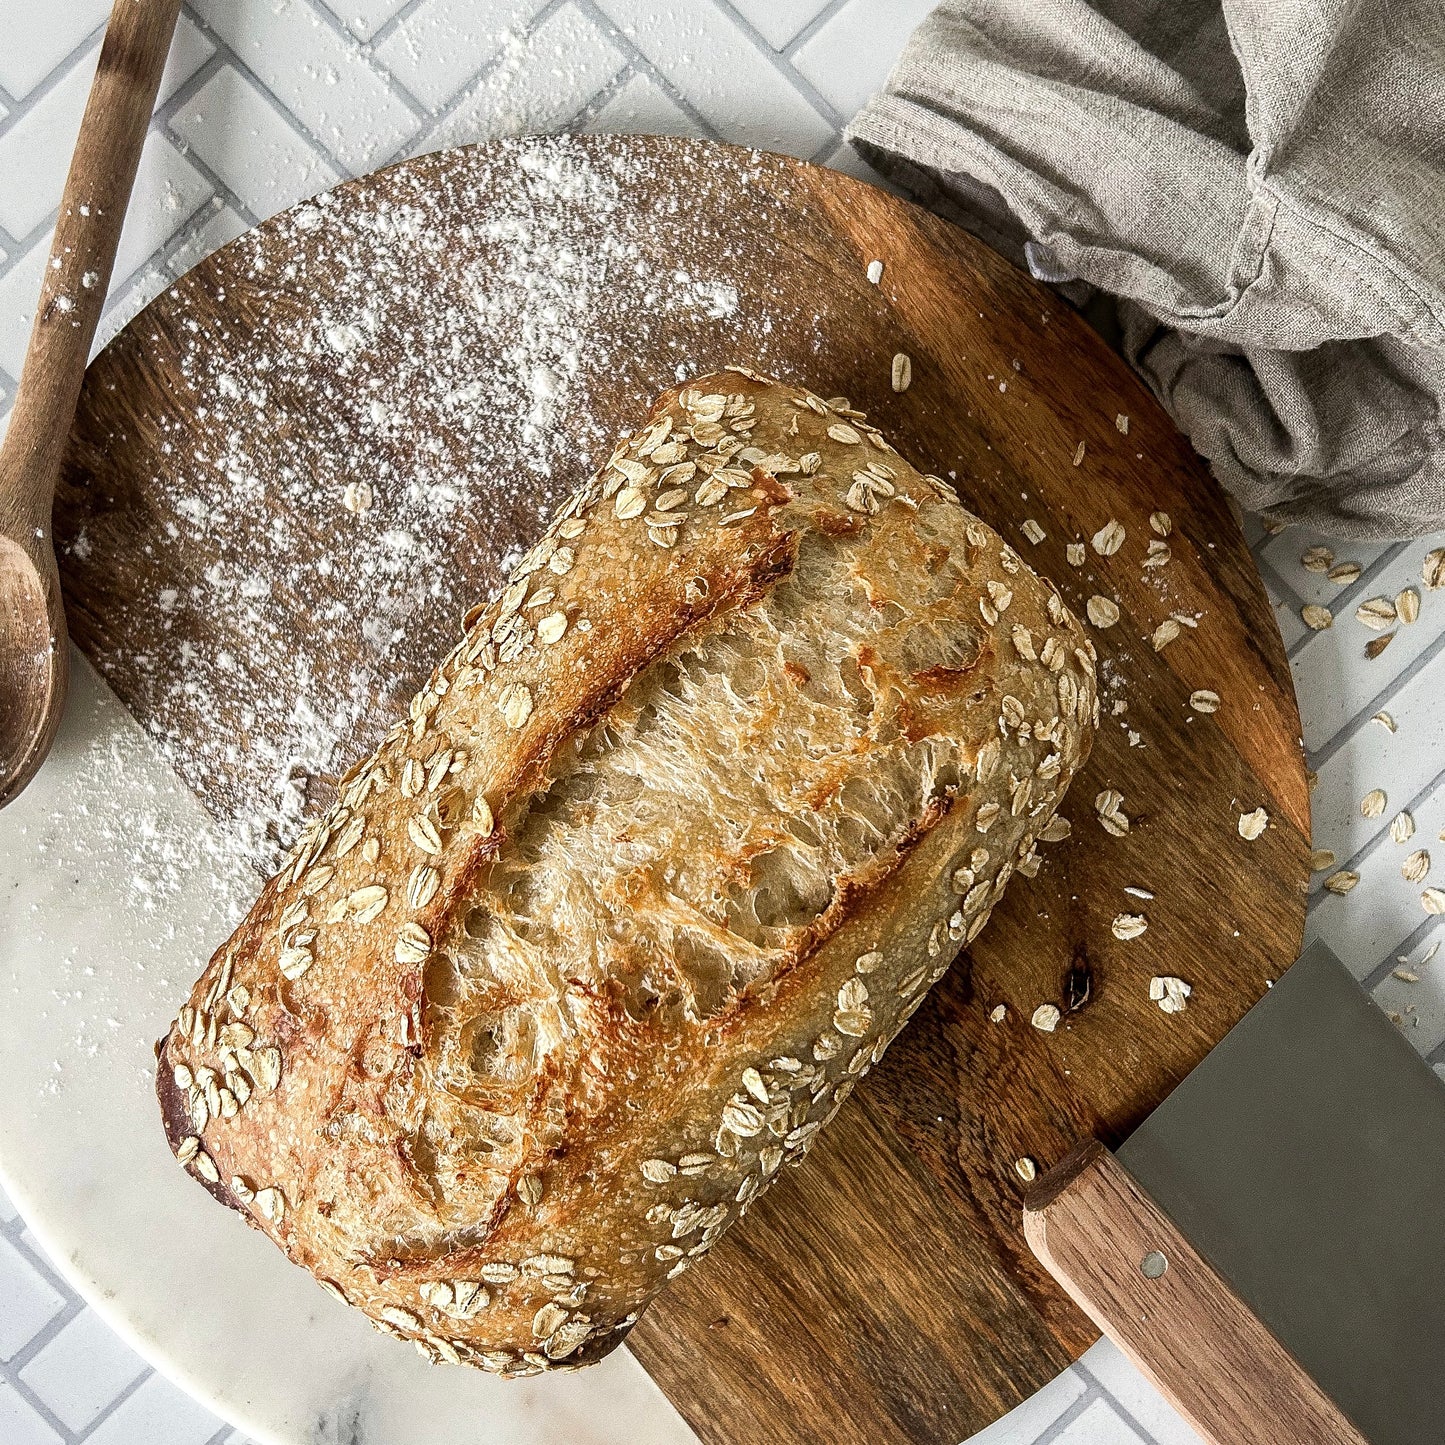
x,y
669,848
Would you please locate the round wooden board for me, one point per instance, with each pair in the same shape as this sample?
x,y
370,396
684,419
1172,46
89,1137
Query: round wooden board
x,y
465,334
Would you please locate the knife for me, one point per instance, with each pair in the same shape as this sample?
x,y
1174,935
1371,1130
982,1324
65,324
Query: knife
x,y
1269,1245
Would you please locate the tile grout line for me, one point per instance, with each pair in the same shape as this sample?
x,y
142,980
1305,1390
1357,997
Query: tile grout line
x,y
367,51
811,28
1115,1403
1401,949
644,66
1399,681
806,90
117,1401
1057,1426
59,73
1379,837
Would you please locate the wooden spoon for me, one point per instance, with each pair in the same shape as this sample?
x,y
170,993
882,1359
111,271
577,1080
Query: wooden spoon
x,y
34,654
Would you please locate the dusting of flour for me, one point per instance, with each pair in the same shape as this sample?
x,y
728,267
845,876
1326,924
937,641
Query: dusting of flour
x,y
421,391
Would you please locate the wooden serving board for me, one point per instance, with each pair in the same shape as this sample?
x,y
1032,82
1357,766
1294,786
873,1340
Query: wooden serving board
x,y
460,338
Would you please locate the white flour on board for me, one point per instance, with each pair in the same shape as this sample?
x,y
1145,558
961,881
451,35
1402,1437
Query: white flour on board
x,y
373,423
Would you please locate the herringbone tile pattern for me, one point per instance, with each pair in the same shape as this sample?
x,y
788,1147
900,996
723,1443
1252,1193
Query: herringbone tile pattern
x,y
266,101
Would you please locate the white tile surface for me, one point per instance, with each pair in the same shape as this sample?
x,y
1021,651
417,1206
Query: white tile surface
x,y
156,1414
19,1423
439,45
35,149
36,45
846,59
778,21
82,1370
325,80
243,136
642,107
30,1302
266,101
733,83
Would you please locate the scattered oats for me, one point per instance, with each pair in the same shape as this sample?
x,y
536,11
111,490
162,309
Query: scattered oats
x,y
1416,866
272,1204
365,904
186,1149
1046,1018
413,944
1321,859
551,627
1317,617
998,1013
1385,720
1402,827
1430,952
1102,611
1344,573
1342,881
1056,830
1372,805
1203,700
1161,522
1170,993
1432,572
482,818
1108,539
1252,825
1033,531
423,833
1128,925
1317,559
1376,645
1407,605
1079,454
1432,900
742,1118
753,1083
1075,554
515,704
358,497
206,1168
629,503
1026,1169
902,371
875,271
1377,614
1143,893
1405,975
842,432
1159,554
421,886
1164,634
1122,422
294,962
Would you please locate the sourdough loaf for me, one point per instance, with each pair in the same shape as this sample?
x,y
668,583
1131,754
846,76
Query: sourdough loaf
x,y
667,851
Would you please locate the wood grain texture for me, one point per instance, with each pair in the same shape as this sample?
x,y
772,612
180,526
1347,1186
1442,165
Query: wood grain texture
x,y
34,655
1092,1225
885,1291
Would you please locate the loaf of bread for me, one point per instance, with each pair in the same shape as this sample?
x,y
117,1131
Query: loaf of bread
x,y
667,851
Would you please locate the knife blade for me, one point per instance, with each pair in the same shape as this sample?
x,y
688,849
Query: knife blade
x,y
1303,1162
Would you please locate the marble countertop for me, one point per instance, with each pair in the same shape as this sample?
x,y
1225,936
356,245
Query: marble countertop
x,y
266,101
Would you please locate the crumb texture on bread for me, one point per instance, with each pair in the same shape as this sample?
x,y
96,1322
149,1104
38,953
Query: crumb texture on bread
x,y
669,848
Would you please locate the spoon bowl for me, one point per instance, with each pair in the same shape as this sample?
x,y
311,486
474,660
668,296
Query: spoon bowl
x,y
34,667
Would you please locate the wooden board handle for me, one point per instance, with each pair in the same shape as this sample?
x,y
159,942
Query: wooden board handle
x,y
1130,1270
87,232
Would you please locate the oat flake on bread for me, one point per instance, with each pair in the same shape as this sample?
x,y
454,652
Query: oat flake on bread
x,y
667,850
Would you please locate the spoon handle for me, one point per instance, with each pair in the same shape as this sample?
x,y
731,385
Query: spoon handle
x,y
87,233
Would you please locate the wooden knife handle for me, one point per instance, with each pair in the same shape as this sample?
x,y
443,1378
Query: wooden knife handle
x,y
1105,1240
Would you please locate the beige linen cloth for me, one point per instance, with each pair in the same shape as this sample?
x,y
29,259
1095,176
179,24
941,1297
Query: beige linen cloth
x,y
1248,196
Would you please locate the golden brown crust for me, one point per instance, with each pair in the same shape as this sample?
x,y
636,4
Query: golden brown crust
x,y
670,847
